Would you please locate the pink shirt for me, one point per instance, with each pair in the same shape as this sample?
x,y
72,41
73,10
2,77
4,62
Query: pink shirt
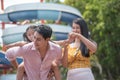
x,y
35,68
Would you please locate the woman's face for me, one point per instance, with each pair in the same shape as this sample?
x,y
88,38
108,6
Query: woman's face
x,y
30,34
76,28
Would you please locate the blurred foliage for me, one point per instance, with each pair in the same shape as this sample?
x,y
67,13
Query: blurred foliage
x,y
103,19
53,1
63,72
0,47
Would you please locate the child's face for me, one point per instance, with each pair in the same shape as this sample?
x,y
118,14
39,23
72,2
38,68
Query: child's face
x,y
30,34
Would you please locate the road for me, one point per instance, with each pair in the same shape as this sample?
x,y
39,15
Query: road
x,y
8,77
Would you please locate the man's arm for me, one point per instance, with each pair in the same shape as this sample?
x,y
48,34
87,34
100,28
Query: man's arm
x,y
14,52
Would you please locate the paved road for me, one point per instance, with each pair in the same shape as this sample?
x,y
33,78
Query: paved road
x,y
8,77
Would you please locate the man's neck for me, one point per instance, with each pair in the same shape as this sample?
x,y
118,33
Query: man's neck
x,y
43,51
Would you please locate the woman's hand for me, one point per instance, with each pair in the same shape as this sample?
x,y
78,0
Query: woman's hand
x,y
72,36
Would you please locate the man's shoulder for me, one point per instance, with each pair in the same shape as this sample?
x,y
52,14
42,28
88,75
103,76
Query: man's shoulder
x,y
29,44
56,49
52,44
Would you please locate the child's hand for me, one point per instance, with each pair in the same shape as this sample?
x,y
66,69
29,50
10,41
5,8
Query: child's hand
x,y
50,74
22,43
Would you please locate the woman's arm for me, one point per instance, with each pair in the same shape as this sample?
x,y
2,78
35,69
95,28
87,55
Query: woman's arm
x,y
62,43
91,45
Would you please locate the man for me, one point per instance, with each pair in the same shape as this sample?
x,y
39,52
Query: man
x,y
38,55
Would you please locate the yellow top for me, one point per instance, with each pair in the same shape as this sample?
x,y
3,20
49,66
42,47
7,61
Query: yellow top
x,y
77,61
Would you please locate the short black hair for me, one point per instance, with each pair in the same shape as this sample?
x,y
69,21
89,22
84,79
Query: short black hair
x,y
44,30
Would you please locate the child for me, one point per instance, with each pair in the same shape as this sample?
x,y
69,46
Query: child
x,y
28,37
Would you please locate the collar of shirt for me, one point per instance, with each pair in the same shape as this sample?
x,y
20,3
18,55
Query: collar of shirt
x,y
50,47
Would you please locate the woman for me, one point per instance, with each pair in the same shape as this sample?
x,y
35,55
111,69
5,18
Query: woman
x,y
78,52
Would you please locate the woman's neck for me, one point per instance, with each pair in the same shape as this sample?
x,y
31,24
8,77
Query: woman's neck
x,y
76,43
77,40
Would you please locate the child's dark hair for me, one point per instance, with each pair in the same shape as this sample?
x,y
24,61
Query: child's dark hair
x,y
25,33
85,33
44,30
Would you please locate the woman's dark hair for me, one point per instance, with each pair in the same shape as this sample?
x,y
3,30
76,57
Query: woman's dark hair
x,y
25,33
84,31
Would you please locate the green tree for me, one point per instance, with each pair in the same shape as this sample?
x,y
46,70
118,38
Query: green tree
x,y
110,51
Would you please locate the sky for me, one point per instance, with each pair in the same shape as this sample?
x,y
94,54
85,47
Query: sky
x,y
14,2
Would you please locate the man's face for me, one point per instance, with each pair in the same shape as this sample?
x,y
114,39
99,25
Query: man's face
x,y
39,41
